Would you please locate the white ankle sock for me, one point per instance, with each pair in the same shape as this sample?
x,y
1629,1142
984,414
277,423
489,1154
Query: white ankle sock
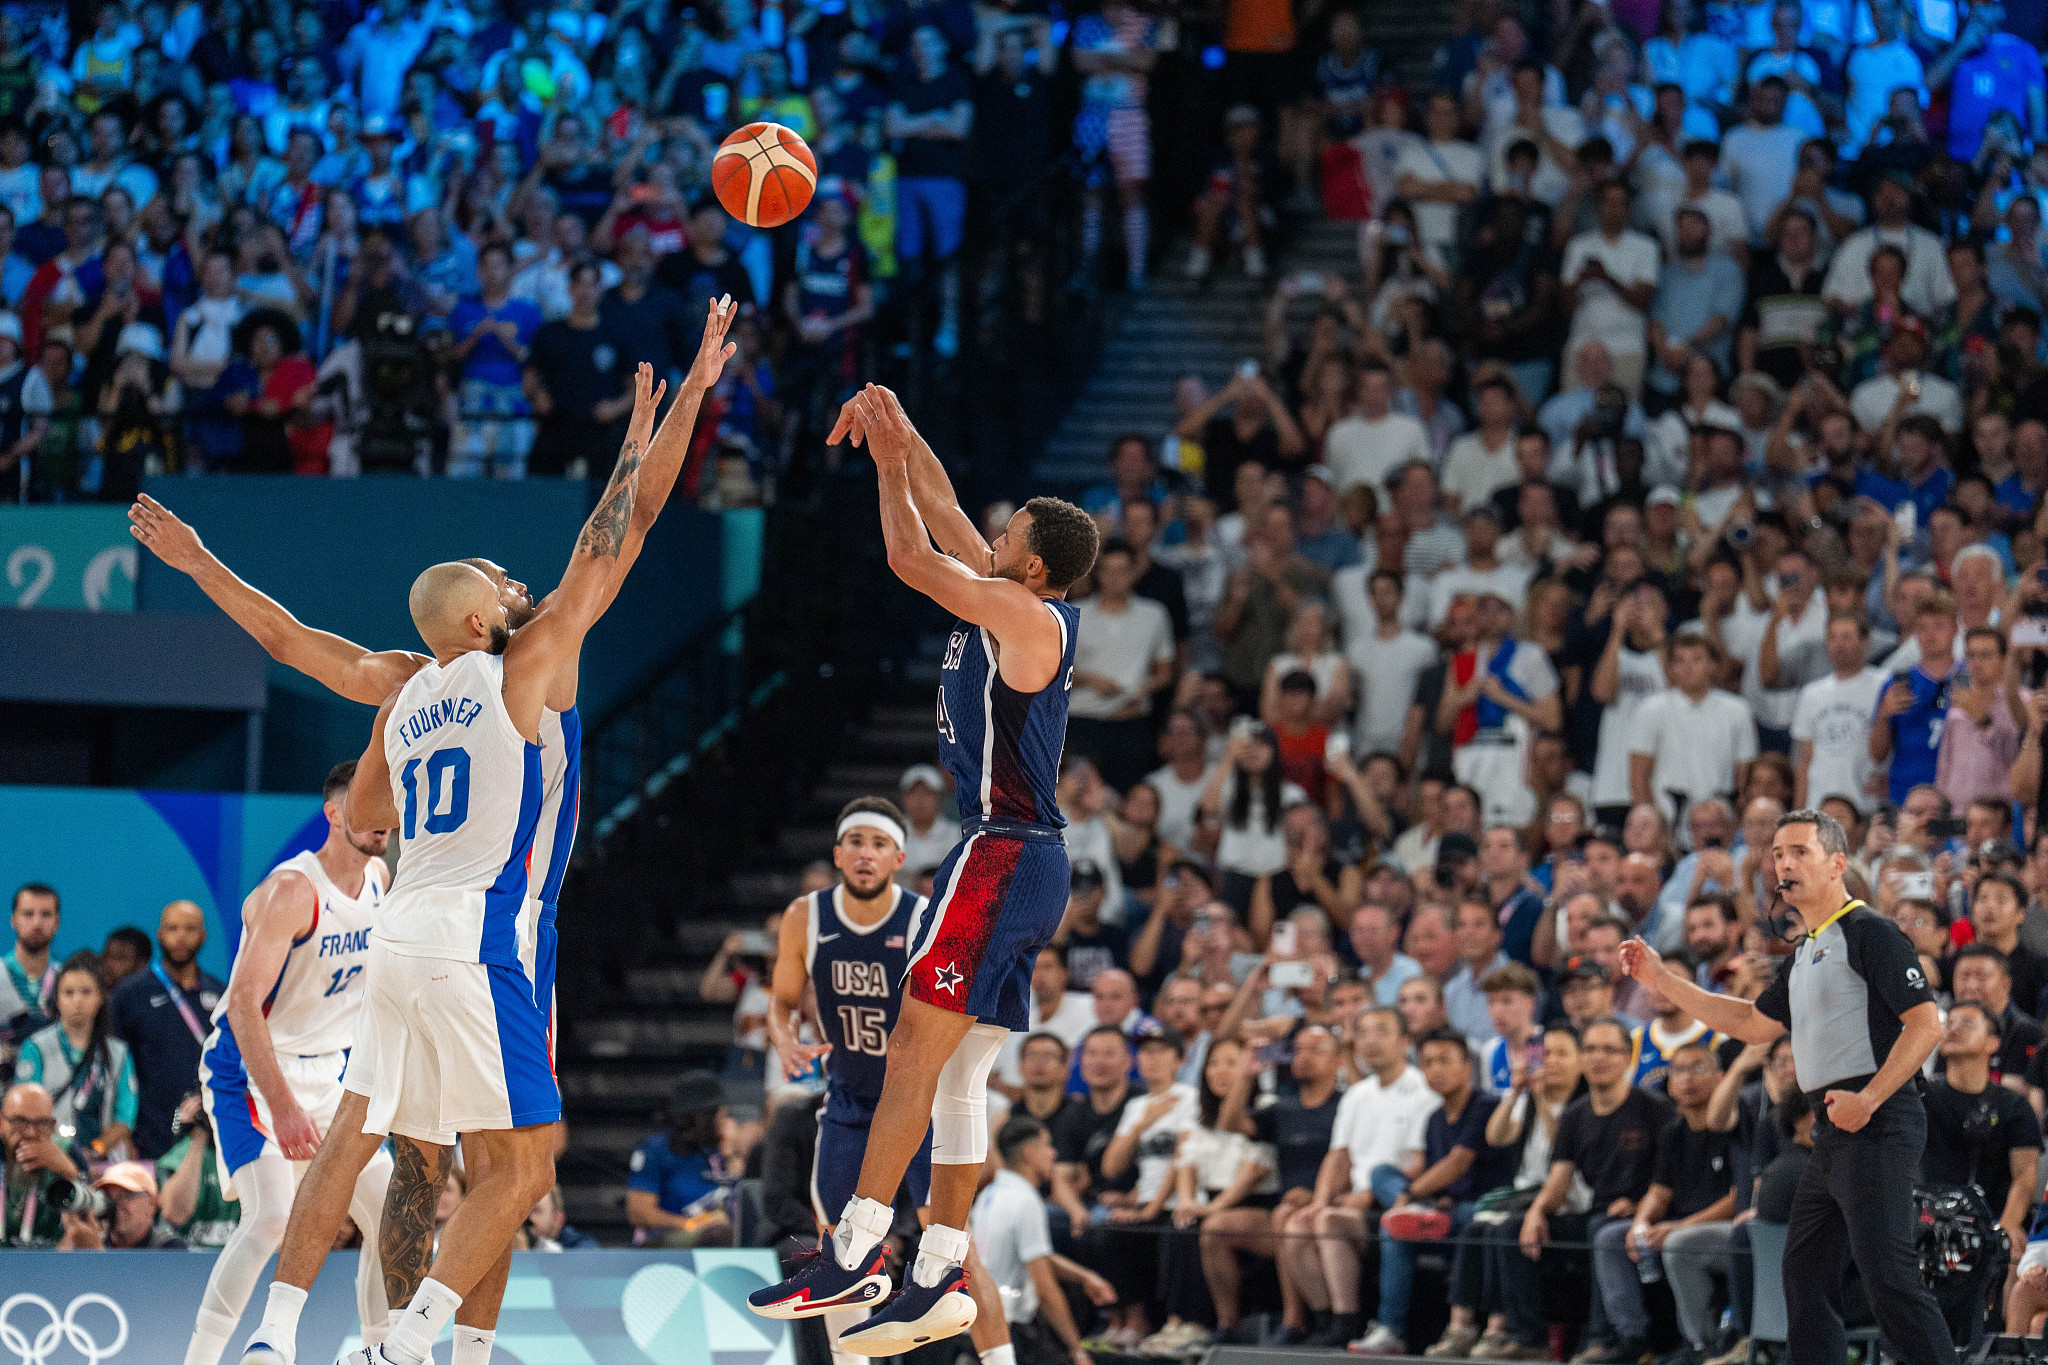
x,y
412,1341
280,1329
939,1250
862,1226
1005,1354
473,1345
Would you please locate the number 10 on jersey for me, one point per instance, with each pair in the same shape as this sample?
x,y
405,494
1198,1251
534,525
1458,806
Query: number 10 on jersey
x,y
447,784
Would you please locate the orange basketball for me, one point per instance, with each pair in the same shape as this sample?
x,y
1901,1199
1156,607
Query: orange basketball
x,y
764,174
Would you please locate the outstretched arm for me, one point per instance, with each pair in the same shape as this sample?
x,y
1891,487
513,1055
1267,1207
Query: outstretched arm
x,y
1017,616
671,444
536,659
342,666
931,492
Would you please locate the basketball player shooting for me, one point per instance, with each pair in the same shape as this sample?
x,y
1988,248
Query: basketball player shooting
x,y
998,896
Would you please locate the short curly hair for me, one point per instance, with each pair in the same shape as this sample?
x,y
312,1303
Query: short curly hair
x,y
1065,537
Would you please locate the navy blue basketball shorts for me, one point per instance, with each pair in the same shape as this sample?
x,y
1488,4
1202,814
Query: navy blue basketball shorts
x,y
835,1166
996,902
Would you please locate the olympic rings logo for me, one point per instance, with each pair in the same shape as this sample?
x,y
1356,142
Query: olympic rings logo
x,y
65,1329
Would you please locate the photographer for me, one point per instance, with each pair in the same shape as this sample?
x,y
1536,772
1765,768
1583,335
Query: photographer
x,y
188,1177
737,975
122,1215
42,1179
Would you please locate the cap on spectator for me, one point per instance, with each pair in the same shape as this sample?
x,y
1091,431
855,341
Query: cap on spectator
x,y
1663,495
697,1091
1154,1034
925,773
140,338
1584,969
1086,876
379,125
1241,113
134,1176
1322,474
1456,846
2000,851
10,326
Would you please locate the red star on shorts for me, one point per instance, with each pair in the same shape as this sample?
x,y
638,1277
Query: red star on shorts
x,y
947,980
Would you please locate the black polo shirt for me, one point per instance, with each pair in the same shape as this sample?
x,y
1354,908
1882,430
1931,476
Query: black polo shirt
x,y
1841,993
1971,1138
144,1016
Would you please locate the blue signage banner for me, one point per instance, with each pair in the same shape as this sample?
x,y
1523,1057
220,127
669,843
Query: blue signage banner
x,y
81,558
568,1308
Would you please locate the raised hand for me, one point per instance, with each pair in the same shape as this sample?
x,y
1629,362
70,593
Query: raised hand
x,y
647,396
168,538
714,350
849,424
885,423
1641,961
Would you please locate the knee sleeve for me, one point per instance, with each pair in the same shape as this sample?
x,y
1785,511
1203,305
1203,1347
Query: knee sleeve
x,y
960,1108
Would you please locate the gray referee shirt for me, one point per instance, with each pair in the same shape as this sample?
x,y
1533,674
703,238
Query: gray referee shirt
x,y
1841,994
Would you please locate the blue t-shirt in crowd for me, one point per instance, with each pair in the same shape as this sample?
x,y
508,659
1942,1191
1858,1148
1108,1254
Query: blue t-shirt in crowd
x,y
491,362
1916,732
1926,495
677,1180
1996,76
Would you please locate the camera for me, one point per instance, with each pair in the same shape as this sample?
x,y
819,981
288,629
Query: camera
x,y
83,1198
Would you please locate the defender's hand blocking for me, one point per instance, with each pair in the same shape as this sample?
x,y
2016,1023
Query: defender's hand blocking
x,y
168,538
714,350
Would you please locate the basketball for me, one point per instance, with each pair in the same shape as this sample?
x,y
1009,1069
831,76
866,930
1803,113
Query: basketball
x,y
764,174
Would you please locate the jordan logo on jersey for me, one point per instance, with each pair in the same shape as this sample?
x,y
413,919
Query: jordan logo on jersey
x,y
870,979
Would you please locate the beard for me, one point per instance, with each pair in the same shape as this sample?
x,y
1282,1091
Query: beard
x,y
866,888
500,637
363,845
1013,572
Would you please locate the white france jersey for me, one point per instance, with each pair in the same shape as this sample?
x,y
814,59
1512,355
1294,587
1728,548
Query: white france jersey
x,y
311,1007
468,790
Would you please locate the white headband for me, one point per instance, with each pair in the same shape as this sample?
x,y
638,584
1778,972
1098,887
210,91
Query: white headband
x,y
872,820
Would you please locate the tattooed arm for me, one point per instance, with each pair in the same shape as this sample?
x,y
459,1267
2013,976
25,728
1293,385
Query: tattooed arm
x,y
406,1242
544,650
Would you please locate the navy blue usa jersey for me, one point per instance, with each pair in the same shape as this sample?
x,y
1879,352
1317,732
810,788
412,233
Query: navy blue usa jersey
x,y
1001,745
857,973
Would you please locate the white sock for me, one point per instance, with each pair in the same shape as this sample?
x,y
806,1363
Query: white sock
x,y
210,1337
862,1226
412,1341
1005,1354
473,1345
840,1320
376,1333
280,1329
939,1250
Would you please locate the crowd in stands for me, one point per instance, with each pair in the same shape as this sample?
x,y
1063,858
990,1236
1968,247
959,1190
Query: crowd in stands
x,y
107,1144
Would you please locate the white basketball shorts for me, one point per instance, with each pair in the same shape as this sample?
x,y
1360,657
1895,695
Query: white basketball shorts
x,y
445,1047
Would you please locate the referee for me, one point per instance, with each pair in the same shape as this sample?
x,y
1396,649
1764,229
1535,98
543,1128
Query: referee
x,y
1863,1021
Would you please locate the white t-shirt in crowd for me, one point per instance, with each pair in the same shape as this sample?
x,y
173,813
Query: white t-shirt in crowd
x,y
1639,678
1178,803
928,849
1218,1156
1552,182
1011,1231
1725,221
1255,850
1158,1141
1383,1125
1360,450
1760,163
1871,402
1473,473
1834,714
1928,287
1695,745
1744,635
1323,668
1603,315
1440,163
1120,645
1386,673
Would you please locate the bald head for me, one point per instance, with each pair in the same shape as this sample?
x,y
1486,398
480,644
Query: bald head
x,y
455,608
181,932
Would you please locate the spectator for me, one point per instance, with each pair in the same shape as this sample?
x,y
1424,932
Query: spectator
x,y
89,1075
1610,274
572,378
1608,1136
1373,441
1090,944
1014,1237
1512,994
928,837
548,1226
495,335
1979,1132
1181,781
738,974
1465,999
1762,153
161,1016
1146,1139
1928,287
31,976
1913,707
1981,740
1382,1121
39,1168
1696,306
188,1179
1297,1126
676,1192
930,115
126,952
1115,51
1691,741
1124,655
1082,1130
